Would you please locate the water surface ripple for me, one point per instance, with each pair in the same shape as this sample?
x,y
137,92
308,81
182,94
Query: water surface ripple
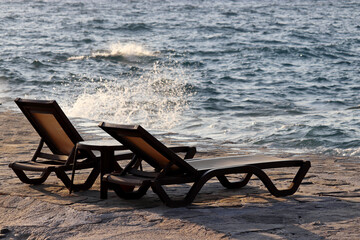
x,y
252,74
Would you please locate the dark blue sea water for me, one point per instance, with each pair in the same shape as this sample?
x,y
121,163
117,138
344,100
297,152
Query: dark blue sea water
x,y
279,75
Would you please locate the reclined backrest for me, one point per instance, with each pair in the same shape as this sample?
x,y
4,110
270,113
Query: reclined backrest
x,y
51,124
147,147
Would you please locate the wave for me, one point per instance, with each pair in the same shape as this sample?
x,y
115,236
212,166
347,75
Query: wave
x,y
133,27
156,98
129,51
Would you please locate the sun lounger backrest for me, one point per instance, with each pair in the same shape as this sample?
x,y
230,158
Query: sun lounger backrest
x,y
51,124
146,146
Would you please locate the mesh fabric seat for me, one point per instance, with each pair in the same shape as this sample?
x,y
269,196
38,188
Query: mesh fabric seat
x,y
60,137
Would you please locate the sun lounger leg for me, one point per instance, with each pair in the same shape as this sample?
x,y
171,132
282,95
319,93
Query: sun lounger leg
x,y
164,197
190,196
77,187
36,181
92,178
231,185
126,192
220,174
285,192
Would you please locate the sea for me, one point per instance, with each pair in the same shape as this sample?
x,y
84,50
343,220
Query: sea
x,y
255,75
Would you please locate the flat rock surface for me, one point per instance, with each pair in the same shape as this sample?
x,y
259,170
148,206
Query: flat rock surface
x,y
326,206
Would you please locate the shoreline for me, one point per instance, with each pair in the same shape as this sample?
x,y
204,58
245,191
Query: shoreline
x,y
325,206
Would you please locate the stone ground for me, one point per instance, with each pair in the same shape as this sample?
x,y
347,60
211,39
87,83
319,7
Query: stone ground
x,y
326,206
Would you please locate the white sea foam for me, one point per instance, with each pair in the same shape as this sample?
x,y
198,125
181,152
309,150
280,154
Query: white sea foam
x,y
155,99
76,58
352,152
128,50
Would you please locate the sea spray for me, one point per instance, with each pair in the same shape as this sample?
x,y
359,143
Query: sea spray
x,y
275,64
155,99
129,50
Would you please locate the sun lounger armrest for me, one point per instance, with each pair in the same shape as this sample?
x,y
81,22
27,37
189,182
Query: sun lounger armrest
x,y
38,150
190,151
126,180
123,155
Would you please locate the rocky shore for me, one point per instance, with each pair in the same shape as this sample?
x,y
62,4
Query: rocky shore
x,y
327,205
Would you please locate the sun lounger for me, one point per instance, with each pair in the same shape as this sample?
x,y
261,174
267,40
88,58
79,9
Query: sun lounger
x,y
172,169
60,137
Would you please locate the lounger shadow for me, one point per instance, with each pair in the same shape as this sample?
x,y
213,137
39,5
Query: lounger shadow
x,y
169,168
60,137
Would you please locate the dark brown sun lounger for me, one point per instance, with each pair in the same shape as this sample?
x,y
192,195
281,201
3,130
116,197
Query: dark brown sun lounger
x,y
60,137
172,169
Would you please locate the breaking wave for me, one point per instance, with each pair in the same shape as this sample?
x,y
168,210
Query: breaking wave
x,y
156,98
129,50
